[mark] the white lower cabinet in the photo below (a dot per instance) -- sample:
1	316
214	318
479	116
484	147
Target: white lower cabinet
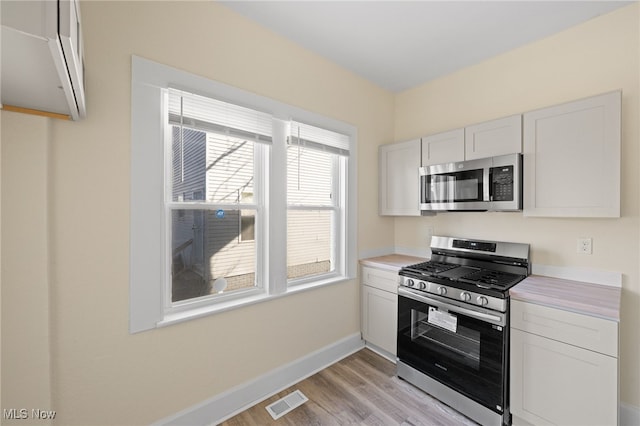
379	308
564	367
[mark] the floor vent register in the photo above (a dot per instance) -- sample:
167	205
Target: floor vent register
284	405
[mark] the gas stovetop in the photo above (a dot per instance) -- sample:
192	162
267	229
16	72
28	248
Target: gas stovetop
470	271
485	278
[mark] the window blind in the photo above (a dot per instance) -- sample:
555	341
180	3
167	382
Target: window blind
310	177
312	137
212	115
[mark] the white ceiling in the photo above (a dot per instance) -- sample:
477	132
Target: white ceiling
401	44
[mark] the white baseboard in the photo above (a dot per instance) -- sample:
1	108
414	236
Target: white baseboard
227	404
629	415
385	354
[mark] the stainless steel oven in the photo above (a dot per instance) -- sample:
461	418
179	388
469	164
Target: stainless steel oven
453	324
457	349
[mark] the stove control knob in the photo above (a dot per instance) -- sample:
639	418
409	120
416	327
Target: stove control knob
464	296
442	291
410	282
423	285
482	301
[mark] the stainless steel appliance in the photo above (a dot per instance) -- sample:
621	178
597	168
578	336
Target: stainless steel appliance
453	324
493	183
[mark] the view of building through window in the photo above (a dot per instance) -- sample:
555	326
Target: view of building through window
215	201
215	239
310	216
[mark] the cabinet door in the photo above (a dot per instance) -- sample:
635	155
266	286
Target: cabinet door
379	318
572	159
492	138
399	188
553	383
444	147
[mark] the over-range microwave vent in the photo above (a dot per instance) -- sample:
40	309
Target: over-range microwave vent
42	57
484	184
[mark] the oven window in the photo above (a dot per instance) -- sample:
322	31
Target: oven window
464	353
435	330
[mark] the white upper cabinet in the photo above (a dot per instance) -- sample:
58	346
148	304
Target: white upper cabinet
399	190
443	147
488	139
492	138
42	57
572	158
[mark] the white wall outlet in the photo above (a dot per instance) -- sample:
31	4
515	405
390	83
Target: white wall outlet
584	246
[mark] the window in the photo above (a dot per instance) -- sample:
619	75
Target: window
216	146
255	195
315	158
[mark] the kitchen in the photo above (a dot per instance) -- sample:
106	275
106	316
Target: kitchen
65	308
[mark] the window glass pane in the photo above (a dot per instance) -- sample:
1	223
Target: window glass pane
247	219
247	225
205	247
229	169
210	167
309	242
309	176
188	163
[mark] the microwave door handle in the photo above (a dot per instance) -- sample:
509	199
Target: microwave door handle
422	191
421	199
487	187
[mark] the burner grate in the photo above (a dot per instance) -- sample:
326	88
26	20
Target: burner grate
490	278
431	267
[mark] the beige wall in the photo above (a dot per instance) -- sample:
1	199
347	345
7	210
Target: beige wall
101	374
71	236
598	56
26	370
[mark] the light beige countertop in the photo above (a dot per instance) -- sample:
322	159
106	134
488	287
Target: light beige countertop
391	262
583	298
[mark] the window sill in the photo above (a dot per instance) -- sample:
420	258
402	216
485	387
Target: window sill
304	285
219	307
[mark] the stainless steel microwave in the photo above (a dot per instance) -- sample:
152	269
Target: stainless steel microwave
493	184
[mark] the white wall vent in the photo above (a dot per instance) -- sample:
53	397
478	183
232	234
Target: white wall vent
284	405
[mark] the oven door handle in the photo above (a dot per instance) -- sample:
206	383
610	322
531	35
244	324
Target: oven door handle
482	316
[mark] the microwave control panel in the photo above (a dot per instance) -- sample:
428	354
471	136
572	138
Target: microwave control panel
502	183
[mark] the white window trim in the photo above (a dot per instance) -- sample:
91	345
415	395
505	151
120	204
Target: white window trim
147	255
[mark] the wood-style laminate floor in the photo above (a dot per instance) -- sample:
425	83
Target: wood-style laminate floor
361	389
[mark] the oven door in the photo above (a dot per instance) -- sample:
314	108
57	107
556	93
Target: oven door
460	347
455	186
